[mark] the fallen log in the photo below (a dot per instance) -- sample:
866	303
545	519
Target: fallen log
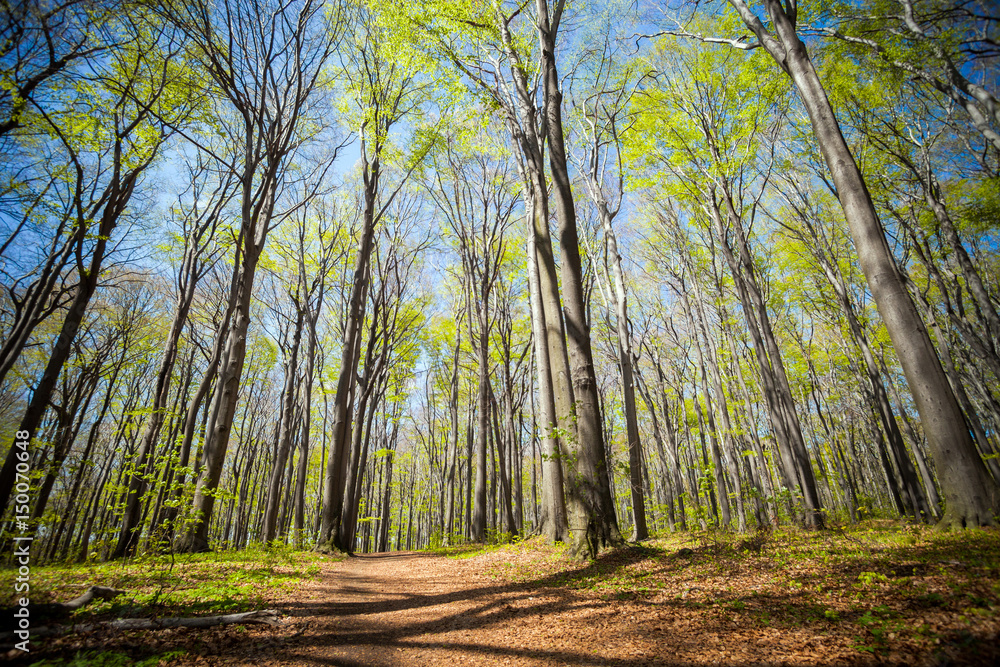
53	611
264	616
92	593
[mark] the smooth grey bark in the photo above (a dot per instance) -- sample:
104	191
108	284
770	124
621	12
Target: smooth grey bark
196	404
478	527
504	440
383	540
715	405
547	321
512	373
552	520
593	522
390	332
453	436
733	454
226	394
362	440
602	114
660	400
347	470
704	348
516	101
312	317
285	428
669	479
617	298
474	195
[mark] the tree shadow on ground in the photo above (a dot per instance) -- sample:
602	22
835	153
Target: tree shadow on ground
492	607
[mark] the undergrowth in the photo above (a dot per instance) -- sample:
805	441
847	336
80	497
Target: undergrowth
171	585
887	587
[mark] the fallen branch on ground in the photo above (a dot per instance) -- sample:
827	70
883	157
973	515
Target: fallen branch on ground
93	593
53	611
265	616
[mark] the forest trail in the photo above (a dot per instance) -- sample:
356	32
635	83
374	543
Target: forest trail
409	608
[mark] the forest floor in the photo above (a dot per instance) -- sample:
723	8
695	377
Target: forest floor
878	594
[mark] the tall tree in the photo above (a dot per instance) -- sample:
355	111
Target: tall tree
382	90
474	195
199	218
264	60
598	526
603	121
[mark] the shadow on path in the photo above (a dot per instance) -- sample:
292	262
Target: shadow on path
382	612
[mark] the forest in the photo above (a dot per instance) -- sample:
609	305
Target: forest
370	275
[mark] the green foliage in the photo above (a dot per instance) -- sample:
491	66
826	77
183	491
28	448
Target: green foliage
198	584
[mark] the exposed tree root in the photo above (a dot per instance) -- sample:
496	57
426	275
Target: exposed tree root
959	520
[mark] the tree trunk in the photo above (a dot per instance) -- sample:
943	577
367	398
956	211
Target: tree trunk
285	429
118	196
227	386
336	468
593	522
625	354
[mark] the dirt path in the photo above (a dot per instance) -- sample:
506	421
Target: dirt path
420	609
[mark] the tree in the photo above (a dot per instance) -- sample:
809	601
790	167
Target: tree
599	526
715	155
40	43
951	47
382	91
265	61
459	34
474	195
602	123
199	219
